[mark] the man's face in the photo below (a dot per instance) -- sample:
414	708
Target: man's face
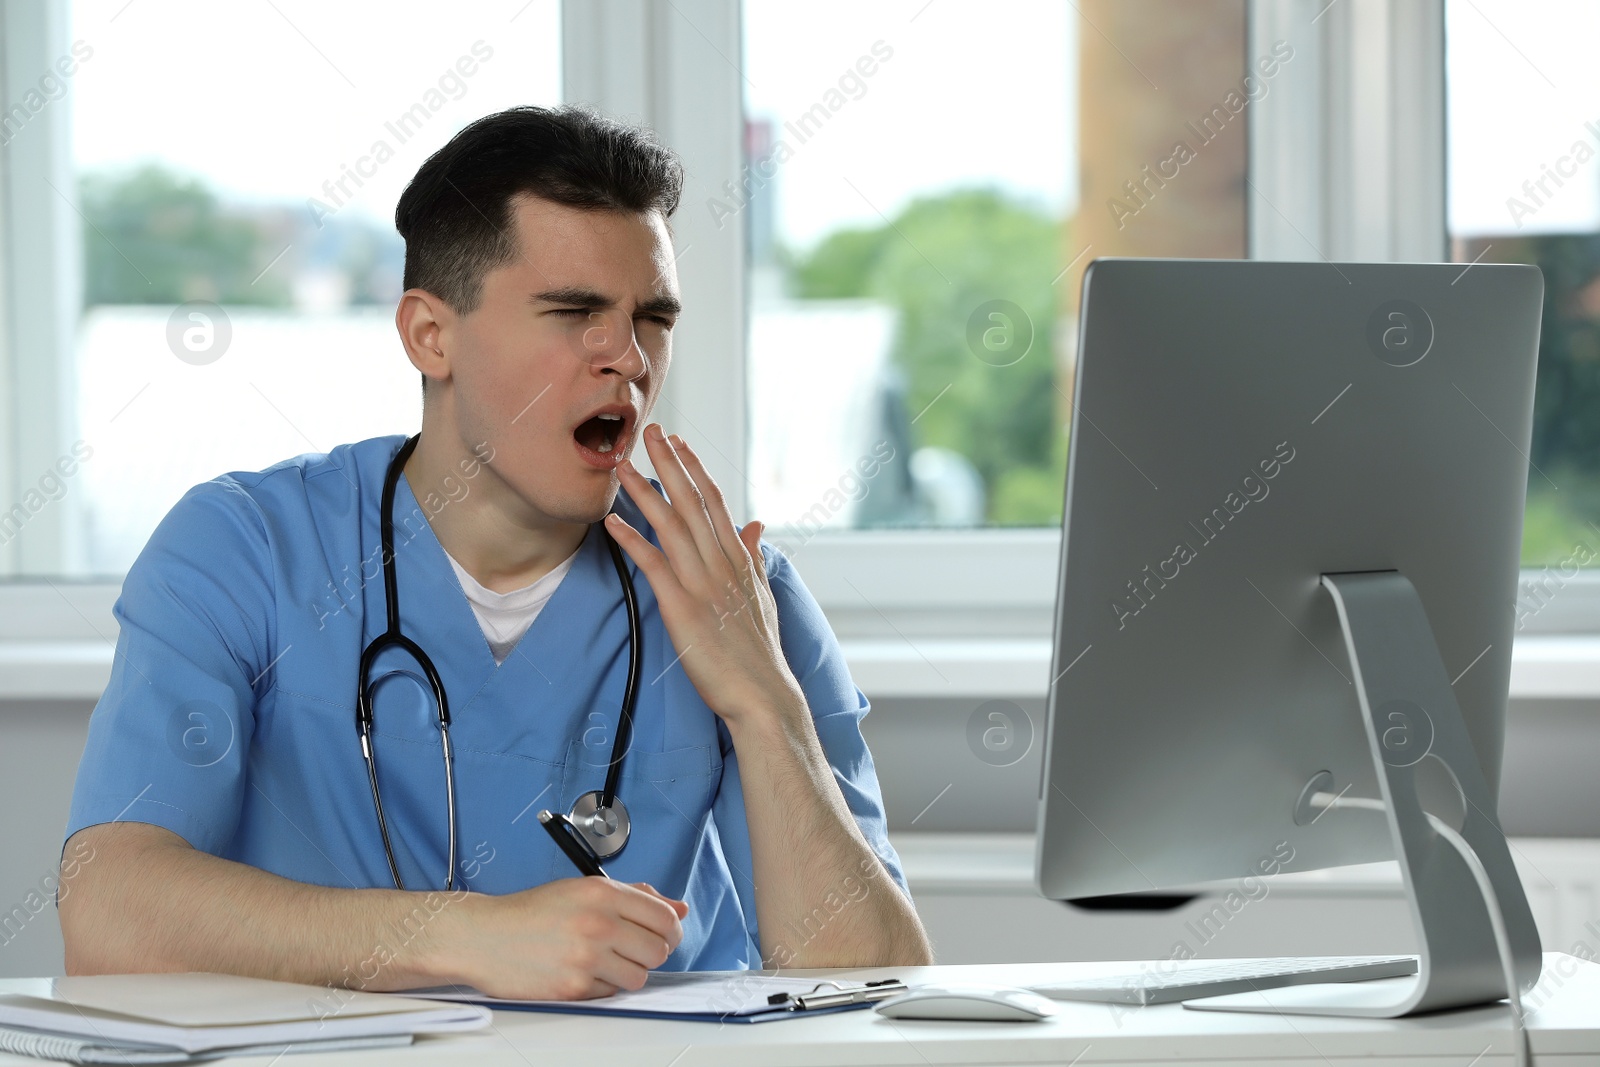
562	360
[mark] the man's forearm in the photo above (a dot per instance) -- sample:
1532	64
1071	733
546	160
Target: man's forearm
146	901
823	898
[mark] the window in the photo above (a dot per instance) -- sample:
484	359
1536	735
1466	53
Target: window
1524	187
885	387
236	170
923	186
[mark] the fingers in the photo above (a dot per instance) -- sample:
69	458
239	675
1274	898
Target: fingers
619	933
750	537
688	503
704	561
662	574
597	988
621	973
650	911
679	906
699	515
570	939
716	507
672	530
646	933
648	557
634	947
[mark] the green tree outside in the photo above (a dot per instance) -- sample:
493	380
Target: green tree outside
153	237
1564	480
936	262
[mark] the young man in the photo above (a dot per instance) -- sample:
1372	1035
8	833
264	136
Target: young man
234	821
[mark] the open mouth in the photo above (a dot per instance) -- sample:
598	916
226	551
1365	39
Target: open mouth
602	434
602	439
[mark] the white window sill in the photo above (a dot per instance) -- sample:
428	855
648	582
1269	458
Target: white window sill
54	670
1002	865
1542	668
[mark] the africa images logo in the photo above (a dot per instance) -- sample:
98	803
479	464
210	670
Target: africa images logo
1400	333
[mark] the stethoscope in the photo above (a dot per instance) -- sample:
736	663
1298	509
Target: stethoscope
599	815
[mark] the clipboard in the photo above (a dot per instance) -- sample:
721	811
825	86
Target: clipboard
701	996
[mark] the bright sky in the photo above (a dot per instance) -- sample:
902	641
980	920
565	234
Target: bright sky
269	101
1523	82
972	94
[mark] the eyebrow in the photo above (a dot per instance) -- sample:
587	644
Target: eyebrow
577	296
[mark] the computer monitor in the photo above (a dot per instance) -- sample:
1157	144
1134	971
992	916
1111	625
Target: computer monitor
1241	430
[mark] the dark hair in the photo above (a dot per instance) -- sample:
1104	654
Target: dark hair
455	215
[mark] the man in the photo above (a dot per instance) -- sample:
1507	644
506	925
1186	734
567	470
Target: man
235	822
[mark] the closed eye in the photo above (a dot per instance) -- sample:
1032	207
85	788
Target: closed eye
665	322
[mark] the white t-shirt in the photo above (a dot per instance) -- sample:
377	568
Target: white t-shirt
505	617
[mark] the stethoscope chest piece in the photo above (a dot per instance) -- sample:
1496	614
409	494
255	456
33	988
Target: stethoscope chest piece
606	829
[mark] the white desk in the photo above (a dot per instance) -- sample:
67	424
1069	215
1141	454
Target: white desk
1565	1030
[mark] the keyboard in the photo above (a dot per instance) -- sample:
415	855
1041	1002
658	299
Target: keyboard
1158	986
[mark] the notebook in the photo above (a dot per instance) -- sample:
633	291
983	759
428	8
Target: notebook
703	996
194	1013
128	1053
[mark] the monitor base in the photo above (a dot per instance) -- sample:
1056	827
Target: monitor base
1412	718
1380	998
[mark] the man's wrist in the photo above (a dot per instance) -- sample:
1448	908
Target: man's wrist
783	712
440	958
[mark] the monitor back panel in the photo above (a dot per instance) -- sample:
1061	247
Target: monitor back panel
1240	429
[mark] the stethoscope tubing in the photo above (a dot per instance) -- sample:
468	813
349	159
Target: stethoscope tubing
630	693
393	637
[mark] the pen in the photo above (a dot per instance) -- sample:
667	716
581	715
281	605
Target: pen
868	991
571	842
871	991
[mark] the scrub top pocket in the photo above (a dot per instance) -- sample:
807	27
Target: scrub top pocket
668	796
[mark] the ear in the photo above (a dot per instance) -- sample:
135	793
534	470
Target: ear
423	319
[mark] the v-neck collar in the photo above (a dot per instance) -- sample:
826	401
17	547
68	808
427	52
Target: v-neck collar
584	614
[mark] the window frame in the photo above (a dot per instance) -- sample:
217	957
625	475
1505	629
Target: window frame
40	287
1346	161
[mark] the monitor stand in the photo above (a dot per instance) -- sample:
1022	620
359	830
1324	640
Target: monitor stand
1412	717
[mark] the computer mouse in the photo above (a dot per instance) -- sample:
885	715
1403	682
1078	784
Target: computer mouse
969	1003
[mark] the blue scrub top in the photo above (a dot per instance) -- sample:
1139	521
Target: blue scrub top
230	715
